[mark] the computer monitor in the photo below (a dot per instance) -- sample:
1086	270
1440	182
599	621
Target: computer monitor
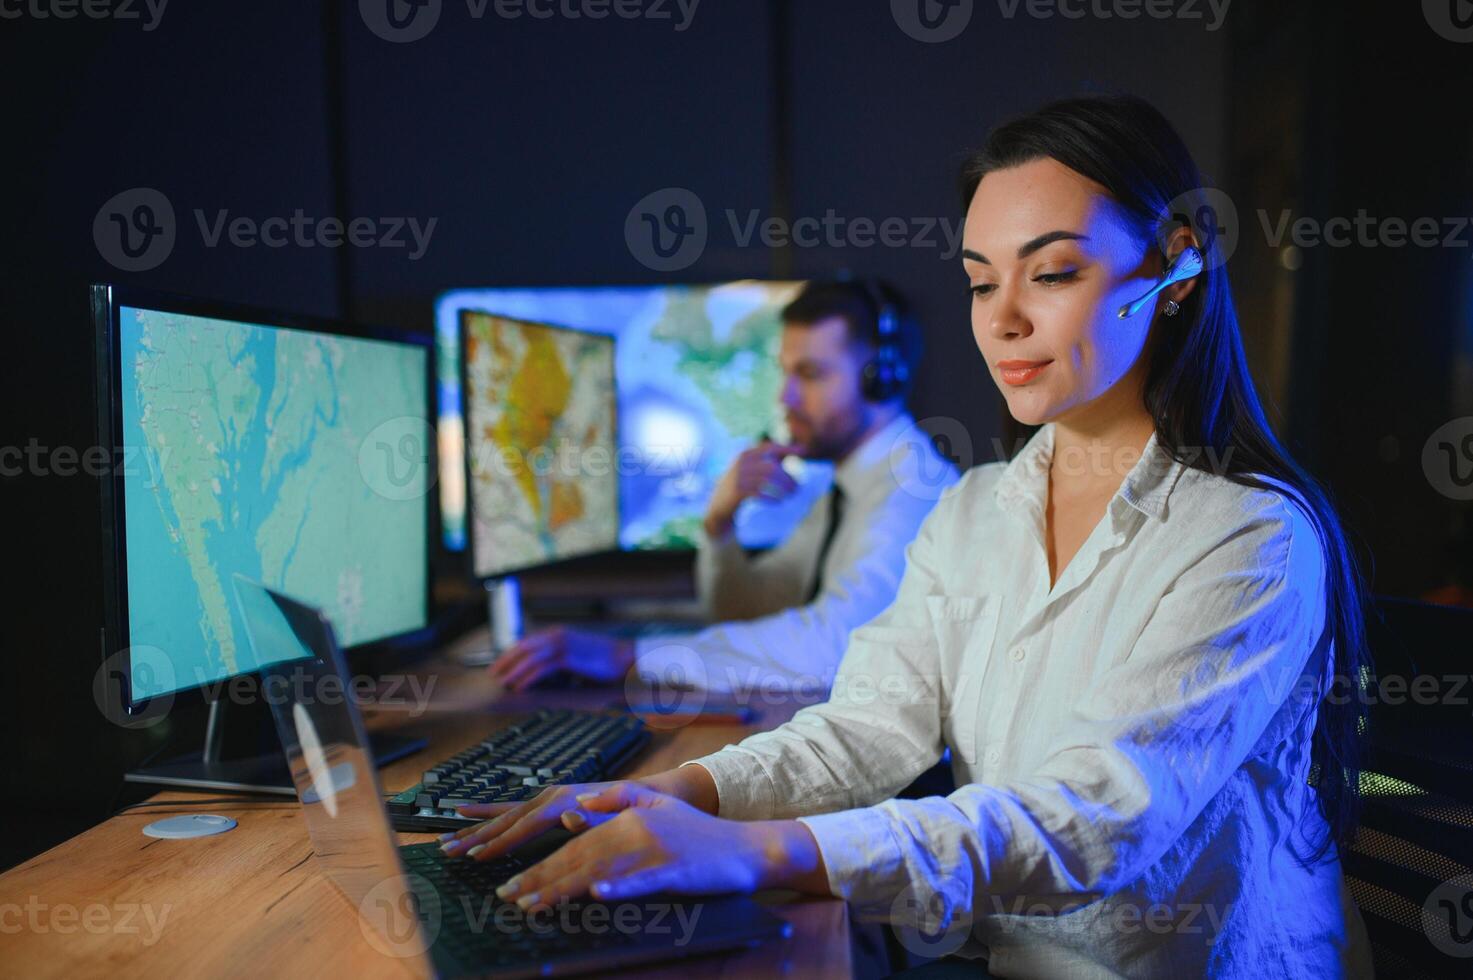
698	382
541	448
290	450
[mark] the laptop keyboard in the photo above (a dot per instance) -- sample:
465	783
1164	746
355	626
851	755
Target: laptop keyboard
516	763
477	928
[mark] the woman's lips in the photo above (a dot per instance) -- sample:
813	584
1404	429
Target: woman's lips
1021	372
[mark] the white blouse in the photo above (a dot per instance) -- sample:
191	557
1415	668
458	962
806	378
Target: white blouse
1132	745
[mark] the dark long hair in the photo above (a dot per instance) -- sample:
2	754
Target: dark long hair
1198	389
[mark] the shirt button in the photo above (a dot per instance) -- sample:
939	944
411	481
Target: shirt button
993	756
1018	654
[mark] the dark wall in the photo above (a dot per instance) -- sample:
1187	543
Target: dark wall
217	108
1364	346
1386	337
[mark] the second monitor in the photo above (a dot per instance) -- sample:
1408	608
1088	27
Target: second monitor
542	454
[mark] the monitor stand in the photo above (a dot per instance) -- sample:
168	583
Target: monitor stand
264	773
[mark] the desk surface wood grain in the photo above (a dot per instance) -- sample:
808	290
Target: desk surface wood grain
252	901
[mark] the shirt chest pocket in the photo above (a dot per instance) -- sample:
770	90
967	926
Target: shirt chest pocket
966	628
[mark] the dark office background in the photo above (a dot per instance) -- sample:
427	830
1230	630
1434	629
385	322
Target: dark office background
530	140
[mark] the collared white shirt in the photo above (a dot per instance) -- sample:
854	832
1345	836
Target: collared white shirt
890	483
1132	744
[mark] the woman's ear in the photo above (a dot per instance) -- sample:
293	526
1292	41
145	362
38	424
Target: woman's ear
1178	241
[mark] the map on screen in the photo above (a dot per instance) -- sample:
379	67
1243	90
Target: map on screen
256	438
541	425
698	382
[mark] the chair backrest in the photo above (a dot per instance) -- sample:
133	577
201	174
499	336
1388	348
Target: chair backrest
1411	868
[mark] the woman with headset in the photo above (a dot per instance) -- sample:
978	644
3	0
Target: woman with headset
1125	635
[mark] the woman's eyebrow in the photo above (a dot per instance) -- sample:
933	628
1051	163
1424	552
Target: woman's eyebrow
1030	246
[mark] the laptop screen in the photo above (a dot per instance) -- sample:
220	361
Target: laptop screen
307	688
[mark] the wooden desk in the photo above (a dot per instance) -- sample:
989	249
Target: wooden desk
252	902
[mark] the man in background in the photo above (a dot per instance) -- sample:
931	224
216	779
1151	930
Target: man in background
783	617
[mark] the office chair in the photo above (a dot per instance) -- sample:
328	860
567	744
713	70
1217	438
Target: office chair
1411	867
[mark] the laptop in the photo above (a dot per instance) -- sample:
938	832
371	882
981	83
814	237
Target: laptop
440	914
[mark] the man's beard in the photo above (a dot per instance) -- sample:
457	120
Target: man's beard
827	447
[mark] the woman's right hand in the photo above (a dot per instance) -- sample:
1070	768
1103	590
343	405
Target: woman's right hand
507	826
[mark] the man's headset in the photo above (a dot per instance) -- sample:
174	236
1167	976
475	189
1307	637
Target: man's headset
886	375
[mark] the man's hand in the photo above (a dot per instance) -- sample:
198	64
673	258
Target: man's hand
756	472
590	655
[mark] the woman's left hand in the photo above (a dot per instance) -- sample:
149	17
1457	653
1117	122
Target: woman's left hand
636	841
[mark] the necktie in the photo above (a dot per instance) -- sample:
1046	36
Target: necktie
836	514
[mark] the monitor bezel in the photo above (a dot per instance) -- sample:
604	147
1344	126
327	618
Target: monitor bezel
106	302
462	327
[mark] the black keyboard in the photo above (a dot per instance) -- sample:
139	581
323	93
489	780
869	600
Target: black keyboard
475	931
516	763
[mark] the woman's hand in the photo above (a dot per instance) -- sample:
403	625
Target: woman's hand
638	841
513	824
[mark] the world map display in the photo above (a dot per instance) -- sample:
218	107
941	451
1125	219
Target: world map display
698	382
540	415
253	442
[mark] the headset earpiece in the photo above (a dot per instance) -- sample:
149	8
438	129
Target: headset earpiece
1185	266
886	375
